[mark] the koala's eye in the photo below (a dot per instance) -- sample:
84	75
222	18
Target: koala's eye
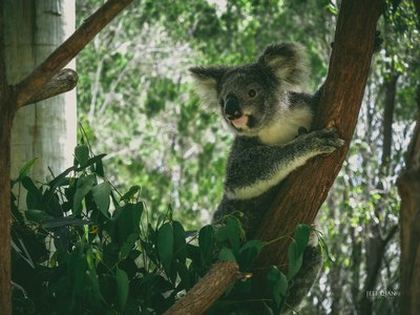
252	93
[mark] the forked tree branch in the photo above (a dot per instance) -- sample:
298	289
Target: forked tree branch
34	82
302	193
62	82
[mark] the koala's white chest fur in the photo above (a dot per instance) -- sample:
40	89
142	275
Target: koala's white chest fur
285	127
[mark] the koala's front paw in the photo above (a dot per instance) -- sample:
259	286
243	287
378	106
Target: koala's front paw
325	140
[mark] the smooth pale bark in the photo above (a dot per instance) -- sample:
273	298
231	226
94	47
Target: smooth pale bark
46	130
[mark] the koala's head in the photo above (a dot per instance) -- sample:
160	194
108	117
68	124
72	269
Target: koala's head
251	96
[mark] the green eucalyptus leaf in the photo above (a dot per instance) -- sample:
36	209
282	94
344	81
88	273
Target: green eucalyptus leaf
34	195
222	234
301	236
226	254
96	159
23	172
96	291
128	245
130	193
180	245
165	246
184	275
194	253
122	287
101	194
84	186
38	216
295	259
233	228
128	220
324	247
249	252
99	168
67	221
206	243
279	284
81	152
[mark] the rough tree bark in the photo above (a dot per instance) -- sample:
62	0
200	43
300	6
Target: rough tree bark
36	86
303	192
409	189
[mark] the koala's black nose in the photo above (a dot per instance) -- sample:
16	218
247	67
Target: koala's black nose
232	108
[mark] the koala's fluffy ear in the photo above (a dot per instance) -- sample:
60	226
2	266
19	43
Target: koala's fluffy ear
207	79
287	61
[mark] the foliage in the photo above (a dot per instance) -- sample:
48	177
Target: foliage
83	247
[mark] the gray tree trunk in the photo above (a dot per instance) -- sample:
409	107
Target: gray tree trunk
45	130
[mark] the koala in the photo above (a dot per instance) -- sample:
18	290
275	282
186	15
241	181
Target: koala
264	106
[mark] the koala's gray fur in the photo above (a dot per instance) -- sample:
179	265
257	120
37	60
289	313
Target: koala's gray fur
263	104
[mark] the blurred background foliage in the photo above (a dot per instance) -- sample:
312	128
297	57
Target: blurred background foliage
136	102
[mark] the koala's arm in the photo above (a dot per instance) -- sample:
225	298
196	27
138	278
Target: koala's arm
254	169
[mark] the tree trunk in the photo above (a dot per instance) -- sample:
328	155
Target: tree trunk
46	130
409	189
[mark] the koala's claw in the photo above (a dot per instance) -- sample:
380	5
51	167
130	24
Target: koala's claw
326	140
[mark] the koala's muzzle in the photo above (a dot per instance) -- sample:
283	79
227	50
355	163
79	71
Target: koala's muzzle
232	109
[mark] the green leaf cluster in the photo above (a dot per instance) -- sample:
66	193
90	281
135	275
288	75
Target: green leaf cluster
81	246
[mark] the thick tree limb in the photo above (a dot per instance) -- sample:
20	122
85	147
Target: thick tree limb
207	290
28	88
64	81
302	193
